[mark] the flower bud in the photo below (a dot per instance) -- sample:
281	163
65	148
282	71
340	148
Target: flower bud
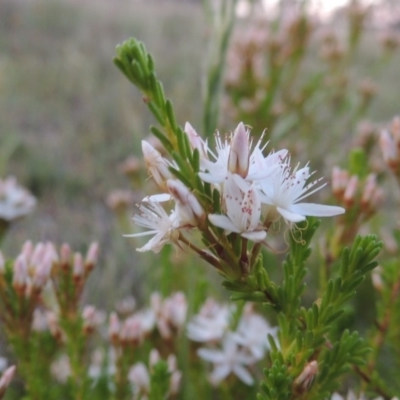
78	271
304	381
65	255
27	249
195	140
156	164
42	273
114	328
20	275
239	154
154	357
92	256
89	315
351	191
6	379
189	208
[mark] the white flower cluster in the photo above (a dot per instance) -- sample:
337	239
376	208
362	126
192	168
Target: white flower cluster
15	201
255	190
242	347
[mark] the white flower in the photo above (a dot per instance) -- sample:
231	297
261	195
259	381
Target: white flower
243	211
228	360
210	324
139	376
235	156
164	227
15	201
252	333
216	171
284	189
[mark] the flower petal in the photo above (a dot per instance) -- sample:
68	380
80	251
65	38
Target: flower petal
222	221
316	210
290	216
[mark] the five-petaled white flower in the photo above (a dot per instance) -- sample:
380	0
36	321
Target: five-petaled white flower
230	359
163	226
284	190
243	211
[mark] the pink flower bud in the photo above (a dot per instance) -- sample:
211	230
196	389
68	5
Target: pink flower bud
195	140
79	270
340	179
92	256
156	164
132	330
395	130
189	208
114	328
389	151
305	379
351	191
38	254
6	378
175	382
27	249
42	273
239	154
89	315
65	255
20	275
154	357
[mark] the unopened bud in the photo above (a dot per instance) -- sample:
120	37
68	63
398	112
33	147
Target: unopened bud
54	327
120	200
131	331
20	275
395	130
239	154
389	151
195	140
92	256
175	382
6	379
79	270
65	256
190	210
114	328
340	179
351	191
37	254
131	166
27	249
154	357
89	315
304	381
156	164
376	278
42	273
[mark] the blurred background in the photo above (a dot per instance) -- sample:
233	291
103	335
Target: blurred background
69	118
